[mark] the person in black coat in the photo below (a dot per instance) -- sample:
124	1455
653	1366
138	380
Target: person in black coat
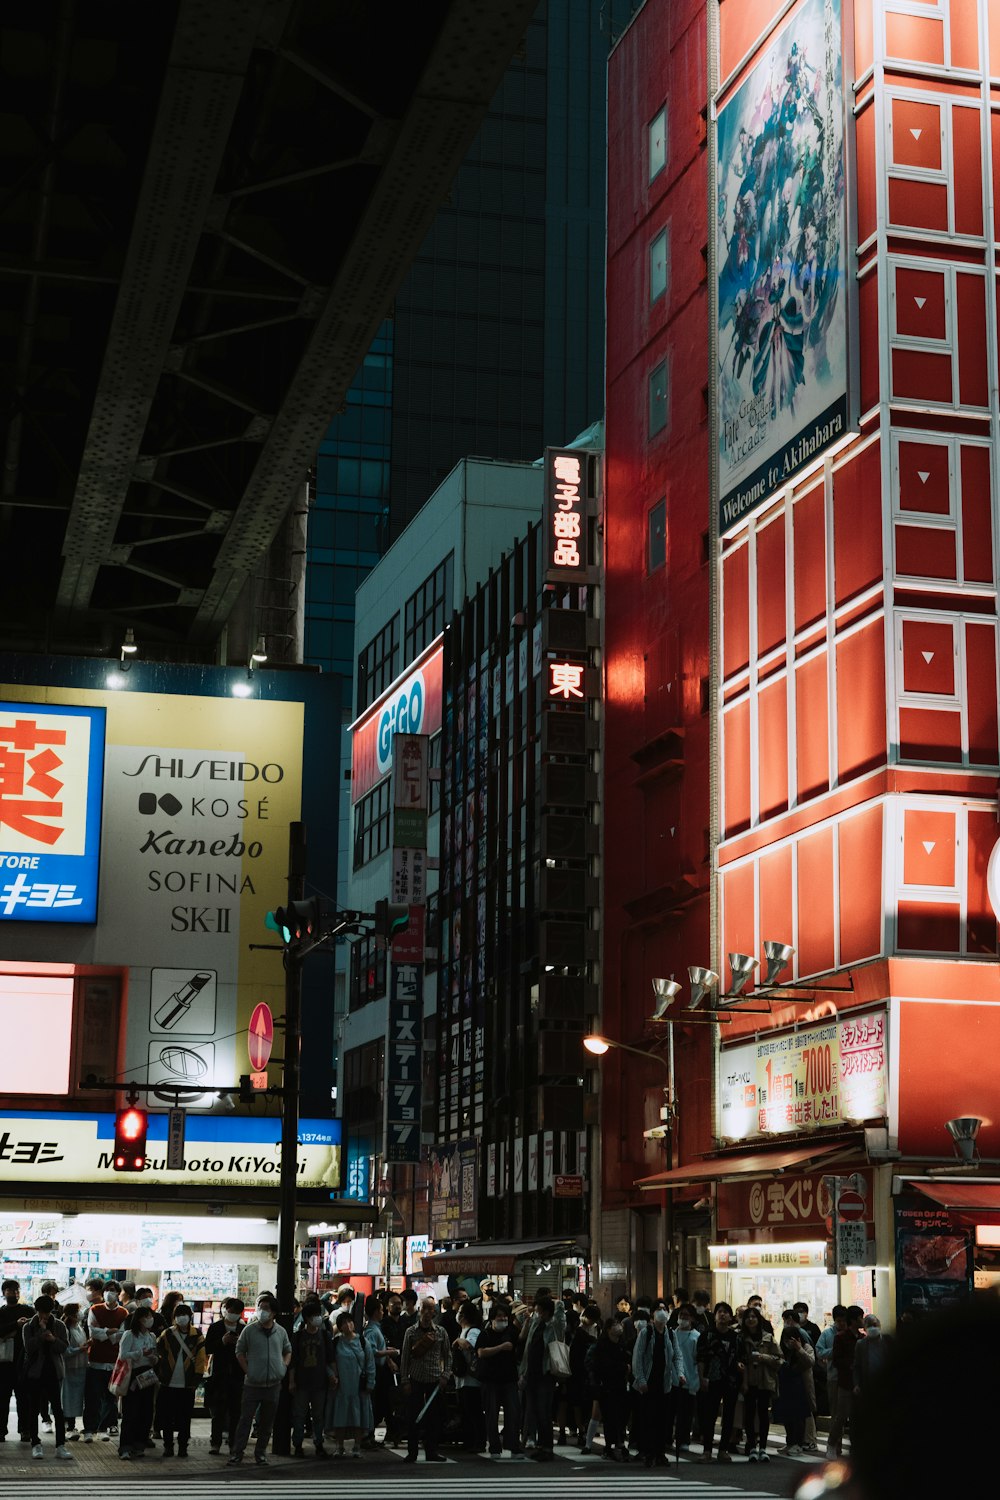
224	1388
610	1365
14	1314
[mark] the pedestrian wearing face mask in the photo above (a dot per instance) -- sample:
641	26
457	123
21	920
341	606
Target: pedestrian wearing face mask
45	1339
138	1349
496	1369
578	1399
721	1375
686	1336
14	1315
75	1367
144	1303
870	1354
611	1367
105	1320
656	1373
264	1352
224	1389
181	1364
310	1376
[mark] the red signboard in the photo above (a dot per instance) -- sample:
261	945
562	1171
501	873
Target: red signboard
412	705
408	946
260	1037
780	1207
567	1187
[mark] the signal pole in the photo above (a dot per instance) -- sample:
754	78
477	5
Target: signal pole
286	1271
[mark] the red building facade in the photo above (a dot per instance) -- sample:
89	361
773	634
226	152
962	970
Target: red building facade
847	655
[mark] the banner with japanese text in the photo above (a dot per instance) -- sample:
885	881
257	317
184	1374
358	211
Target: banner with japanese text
826	1074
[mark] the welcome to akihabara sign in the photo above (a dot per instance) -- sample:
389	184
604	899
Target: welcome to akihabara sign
782	288
51	773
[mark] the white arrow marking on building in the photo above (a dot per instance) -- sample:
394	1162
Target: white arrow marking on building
916	132
929	846
928	656
923	475
920	302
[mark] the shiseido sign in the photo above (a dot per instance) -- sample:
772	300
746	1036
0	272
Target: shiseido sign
565	516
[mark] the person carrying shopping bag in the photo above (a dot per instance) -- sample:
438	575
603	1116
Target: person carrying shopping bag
137	1351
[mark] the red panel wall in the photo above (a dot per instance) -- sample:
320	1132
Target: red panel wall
941	1073
859	845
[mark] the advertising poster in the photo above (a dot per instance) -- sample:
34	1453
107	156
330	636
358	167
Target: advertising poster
51	766
782	258
821	1075
454	1174
934	1257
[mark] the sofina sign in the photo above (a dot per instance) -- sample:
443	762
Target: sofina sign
51	774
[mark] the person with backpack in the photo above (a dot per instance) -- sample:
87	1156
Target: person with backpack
466	1371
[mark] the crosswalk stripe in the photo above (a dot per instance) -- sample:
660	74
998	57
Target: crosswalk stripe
518	1483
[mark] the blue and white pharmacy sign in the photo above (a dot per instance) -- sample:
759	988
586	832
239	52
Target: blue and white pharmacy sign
51	778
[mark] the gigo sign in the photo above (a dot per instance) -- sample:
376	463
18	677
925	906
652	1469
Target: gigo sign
403	714
412	705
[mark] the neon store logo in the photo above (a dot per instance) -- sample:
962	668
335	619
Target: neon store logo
403	714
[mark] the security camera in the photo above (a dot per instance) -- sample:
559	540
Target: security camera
658	1133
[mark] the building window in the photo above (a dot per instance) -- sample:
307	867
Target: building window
434	763
658	267
371	824
656	549
658	399
657	143
377	664
428	609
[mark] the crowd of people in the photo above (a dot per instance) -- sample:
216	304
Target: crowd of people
508	1374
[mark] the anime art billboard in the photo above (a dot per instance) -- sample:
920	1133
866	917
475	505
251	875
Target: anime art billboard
782	296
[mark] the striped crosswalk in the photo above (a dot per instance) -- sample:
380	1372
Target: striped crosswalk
517	1483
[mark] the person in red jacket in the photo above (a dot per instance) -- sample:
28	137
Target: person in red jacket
105	1320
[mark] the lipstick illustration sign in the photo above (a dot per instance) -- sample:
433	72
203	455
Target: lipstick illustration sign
260	1036
177	1005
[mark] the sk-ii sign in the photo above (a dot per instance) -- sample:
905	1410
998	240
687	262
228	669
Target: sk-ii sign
412	705
51	776
403	1060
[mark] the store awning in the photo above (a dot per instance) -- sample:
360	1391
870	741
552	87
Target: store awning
496	1259
975	1200
747	1164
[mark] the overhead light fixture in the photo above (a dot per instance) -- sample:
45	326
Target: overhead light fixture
703	981
129	648
741	967
258	656
664	990
963	1132
779	956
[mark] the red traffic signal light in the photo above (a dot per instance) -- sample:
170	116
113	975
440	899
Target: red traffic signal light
131	1126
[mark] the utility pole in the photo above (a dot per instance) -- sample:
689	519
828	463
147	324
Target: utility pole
287	1269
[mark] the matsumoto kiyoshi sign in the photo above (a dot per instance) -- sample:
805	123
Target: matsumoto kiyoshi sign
51	767
782	288
239	1152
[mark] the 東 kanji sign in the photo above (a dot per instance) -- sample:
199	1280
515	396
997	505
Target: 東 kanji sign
51	772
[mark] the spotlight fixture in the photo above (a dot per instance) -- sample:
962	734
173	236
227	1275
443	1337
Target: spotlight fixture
963	1132
741	967
597	1045
129	648
258	655
779	956
664	990
702	982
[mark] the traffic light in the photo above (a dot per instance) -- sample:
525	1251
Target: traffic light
391	918
296	921
131	1125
